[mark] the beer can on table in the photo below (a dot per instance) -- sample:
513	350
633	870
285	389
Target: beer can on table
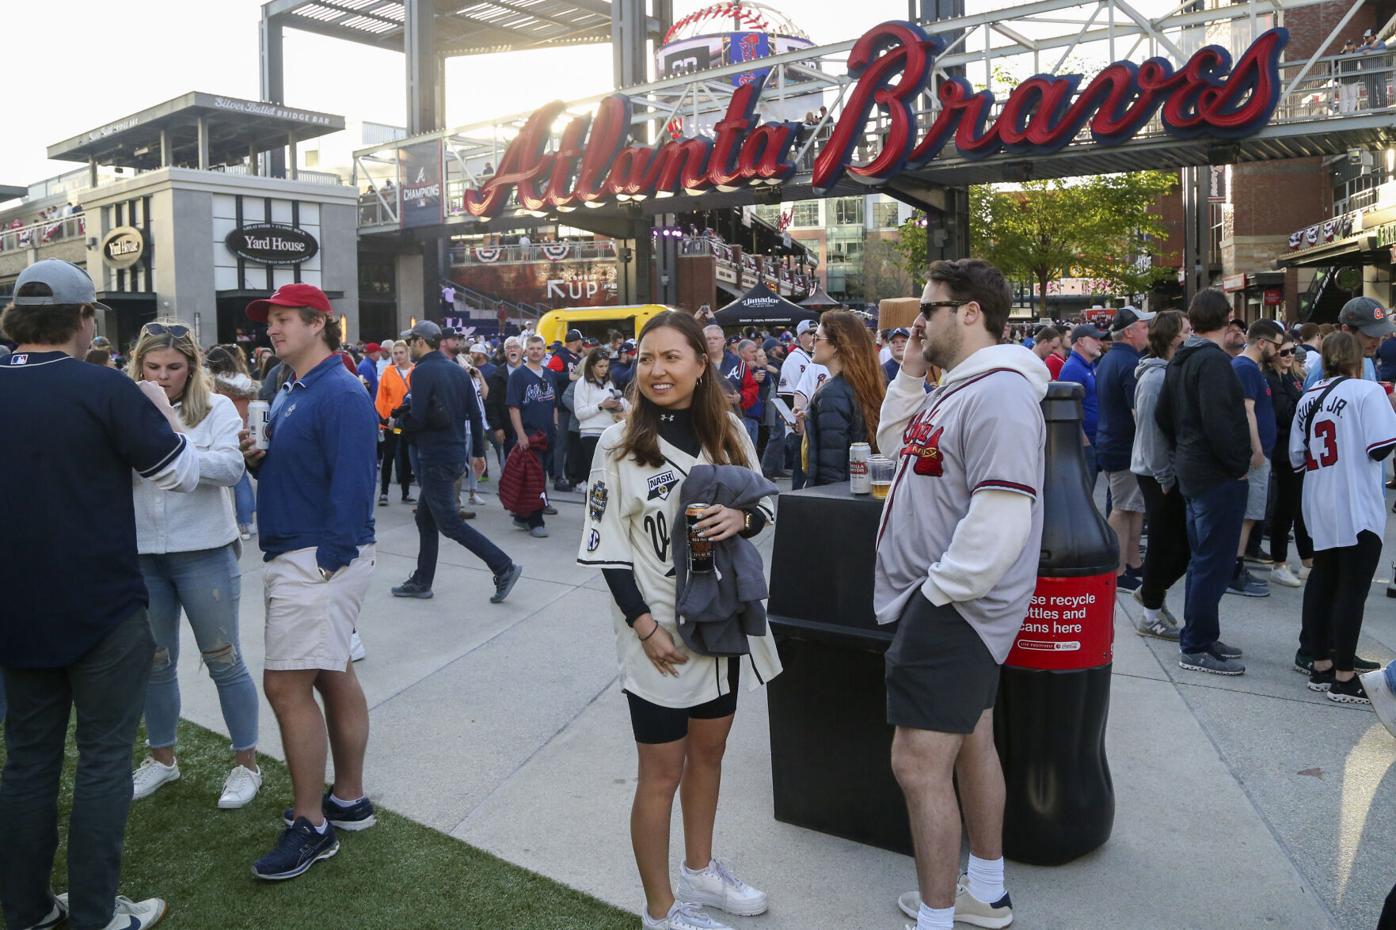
700	550
258	414
859	480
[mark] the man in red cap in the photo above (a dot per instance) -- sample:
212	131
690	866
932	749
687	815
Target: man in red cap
315	512
368	367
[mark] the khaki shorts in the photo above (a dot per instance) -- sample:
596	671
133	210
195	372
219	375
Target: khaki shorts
309	619
1124	491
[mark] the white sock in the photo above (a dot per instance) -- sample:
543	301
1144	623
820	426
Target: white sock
1152	614
986	878
323	826
695	871
334	799
935	918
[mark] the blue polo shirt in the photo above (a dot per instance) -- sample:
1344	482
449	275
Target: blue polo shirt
1077	369
1114	381
315	485
69	572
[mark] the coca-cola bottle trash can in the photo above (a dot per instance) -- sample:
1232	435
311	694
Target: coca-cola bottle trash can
1054	692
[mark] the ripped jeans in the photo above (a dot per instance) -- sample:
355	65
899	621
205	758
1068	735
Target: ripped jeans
207	584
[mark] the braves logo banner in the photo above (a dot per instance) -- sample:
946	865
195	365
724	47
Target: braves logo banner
419	183
591	163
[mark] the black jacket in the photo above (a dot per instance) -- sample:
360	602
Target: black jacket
834	421
1285	393
443	401
1202	413
496	410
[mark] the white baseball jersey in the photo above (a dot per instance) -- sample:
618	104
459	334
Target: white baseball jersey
812	380
1343	493
632	516
792	369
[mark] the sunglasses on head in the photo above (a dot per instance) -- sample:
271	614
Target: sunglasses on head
177	330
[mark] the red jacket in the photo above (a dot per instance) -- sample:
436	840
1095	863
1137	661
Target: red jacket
522	484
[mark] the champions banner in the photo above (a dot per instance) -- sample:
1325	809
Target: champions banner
419	182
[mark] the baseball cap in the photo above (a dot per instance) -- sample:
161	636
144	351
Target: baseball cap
805	326
426	329
628	345
1128	316
573	335
480	348
1367	317
901	331
1084	330
372	347
67	283
290	295
450	332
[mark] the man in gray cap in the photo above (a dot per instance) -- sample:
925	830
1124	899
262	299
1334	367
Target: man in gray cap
1370	322
443	402
74	434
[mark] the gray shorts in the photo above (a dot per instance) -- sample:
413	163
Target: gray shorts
1124	491
1258	491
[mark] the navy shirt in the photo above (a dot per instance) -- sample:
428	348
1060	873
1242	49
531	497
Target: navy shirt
1386	355
1256	388
621	374
69	571
443	402
534	396
890	369
315	485
368	370
1077	369
1114	383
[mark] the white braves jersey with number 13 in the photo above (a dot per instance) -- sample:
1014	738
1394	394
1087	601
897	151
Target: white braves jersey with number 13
1342	482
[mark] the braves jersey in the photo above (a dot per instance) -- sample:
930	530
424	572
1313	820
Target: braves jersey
791	370
812	380
982	429
631	519
1332	446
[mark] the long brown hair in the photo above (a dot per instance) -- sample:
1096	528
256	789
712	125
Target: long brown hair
718	432
851	339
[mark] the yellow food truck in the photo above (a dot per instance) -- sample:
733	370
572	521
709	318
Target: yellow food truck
597	322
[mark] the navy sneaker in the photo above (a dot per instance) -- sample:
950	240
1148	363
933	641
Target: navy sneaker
504	582
352	817
299	847
1127	582
412	588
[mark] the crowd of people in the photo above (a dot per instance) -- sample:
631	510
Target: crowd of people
1213	437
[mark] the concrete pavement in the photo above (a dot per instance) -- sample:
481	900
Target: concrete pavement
1243	802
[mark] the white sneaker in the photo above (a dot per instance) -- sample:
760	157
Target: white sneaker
682	916
1283	574
150	776
476	500
56	915
130	915
717	887
356	647
1383	701
1304	570
239	788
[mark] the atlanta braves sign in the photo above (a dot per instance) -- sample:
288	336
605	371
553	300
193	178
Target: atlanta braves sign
591	164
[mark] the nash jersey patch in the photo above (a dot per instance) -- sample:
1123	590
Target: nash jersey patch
921	441
662	484
593	541
596	502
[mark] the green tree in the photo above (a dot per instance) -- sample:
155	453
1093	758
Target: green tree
1102	227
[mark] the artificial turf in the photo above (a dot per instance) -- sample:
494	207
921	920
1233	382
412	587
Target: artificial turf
398	874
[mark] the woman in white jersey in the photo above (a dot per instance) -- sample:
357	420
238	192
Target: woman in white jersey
681	703
1343	428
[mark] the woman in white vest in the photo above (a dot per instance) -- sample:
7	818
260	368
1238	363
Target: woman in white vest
681	703
597	403
189	550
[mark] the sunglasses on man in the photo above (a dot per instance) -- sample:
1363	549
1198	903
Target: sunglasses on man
930	307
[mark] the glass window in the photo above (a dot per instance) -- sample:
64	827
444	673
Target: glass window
806	213
848	211
885	214
768	212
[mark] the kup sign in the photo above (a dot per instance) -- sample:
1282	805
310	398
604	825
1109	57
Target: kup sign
591	164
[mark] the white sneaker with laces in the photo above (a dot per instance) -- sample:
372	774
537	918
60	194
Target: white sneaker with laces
717	887
151	776
476	500
130	915
682	916
356	647
1283	574
1382	698
1303	572
240	787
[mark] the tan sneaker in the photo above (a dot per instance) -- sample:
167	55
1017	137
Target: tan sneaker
970	910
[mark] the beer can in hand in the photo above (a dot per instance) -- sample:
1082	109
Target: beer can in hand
258	415
859	479
700	550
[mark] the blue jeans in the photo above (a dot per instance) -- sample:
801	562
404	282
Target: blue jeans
1214	531
773	458
753	429
244	500
106	685
207	584
438	515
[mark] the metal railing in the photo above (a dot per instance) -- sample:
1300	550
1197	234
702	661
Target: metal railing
567	251
43	232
